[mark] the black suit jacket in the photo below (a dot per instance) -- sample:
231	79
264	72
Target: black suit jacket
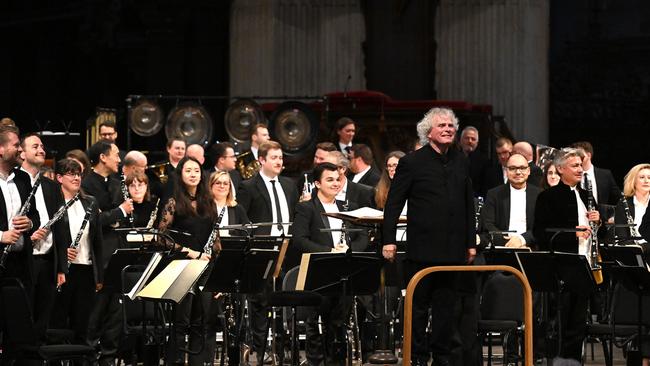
495	214
253	196
360	194
24	256
371	178
308	222
441	224
557	207
608	192
479	167
94	236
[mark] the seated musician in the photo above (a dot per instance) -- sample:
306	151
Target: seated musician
636	189
510	207
221	188
565	206
309	238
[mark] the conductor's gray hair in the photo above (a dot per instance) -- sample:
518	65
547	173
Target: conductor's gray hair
426	124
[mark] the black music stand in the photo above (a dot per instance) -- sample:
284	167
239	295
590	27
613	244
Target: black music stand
342	274
120	259
635	278
504	256
556	272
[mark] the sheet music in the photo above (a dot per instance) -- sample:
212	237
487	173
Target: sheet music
366	212
145	275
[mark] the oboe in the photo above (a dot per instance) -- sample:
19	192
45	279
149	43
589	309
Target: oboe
594	252
24	209
207	248
634	233
75	243
153	216
126	196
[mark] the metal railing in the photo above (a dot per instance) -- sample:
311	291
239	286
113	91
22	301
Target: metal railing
528	305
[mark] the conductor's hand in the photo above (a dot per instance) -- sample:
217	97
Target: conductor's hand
127	206
583	234
72	254
471	253
21	223
593	216
39	234
10	236
388	251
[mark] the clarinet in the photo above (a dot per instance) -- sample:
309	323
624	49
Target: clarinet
75	243
594	252
153	216
60	212
126	196
628	214
24	209
479	205
207	248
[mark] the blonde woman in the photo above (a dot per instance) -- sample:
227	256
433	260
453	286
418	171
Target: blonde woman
636	189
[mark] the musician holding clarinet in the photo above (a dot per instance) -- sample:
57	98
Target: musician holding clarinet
81	257
566	205
18	216
633	204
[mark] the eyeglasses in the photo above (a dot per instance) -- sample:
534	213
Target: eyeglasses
221	183
391	166
514	169
73	175
137	185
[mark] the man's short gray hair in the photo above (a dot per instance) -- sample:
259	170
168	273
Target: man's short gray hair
567	153
467	129
340	158
426	124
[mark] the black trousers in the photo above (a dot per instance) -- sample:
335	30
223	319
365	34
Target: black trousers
334	312
44	291
436	292
75	301
574	323
192	319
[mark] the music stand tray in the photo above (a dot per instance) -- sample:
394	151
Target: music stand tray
545	269
626	255
339	273
241	270
175	281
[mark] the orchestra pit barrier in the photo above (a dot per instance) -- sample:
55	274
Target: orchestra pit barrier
528	305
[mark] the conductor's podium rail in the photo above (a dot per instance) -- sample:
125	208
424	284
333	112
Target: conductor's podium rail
528	305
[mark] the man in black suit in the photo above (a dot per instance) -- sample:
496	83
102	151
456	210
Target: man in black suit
362	168
15	231
359	194
223	155
440	229
248	161
526	149
496	175
565	206
479	164
605	189
511	207
309	238
105	321
48	199
267	197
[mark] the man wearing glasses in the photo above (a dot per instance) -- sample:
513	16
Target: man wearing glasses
511	207
108	132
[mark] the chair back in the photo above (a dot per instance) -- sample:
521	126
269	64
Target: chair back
625	309
135	311
18	324
502	298
289	284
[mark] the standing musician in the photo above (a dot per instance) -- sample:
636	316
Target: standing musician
309	238
267	197
345	131
565	206
636	189
223	155
190	209
48	199
82	267
440	228
15	230
105	323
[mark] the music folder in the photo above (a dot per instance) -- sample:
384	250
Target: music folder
175	281
334	273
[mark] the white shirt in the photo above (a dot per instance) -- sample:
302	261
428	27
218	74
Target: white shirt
504	172
517	221
358	176
343	192
254	150
41	246
334	223
342	147
639	210
592	178
583	244
12	206
284	208
76	214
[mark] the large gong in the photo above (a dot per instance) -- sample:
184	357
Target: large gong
294	126
191	122
146	118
